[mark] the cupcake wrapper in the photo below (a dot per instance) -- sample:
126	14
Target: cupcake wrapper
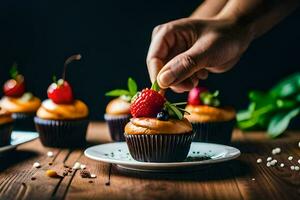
24	121
116	125
62	133
159	148
214	132
5	133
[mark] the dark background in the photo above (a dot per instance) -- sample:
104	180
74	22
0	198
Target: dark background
113	37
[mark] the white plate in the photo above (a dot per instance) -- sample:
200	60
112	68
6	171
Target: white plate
17	138
117	153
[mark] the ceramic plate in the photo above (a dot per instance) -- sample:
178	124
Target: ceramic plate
200	154
17	138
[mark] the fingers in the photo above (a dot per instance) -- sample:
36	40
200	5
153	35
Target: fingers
225	67
202	74
154	66
186	85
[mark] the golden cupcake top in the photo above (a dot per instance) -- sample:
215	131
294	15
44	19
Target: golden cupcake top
154	126
204	113
5	116
118	106
53	111
27	103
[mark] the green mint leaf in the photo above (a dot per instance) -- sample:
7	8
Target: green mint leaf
132	86
117	93
287	87
173	110
179	103
280	122
155	86
14	71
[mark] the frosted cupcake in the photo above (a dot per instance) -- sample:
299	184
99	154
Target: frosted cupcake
6	126
23	105
211	121
118	110
158	132
62	121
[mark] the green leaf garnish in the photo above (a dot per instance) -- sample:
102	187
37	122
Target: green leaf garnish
117	93
14	71
174	111
132	86
179	103
155	86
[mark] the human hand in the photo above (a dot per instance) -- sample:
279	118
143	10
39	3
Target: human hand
183	51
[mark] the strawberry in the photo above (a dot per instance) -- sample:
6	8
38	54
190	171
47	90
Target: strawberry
147	104
194	95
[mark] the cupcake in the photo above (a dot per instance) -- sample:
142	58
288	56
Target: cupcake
158	132
61	121
6	126
23	105
211	122
117	113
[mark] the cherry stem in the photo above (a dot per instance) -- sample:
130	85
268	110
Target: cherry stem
68	61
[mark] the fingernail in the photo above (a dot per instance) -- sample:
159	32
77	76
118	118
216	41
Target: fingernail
165	79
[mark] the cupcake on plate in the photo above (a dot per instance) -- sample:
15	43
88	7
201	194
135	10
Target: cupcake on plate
23	105
117	112
211	121
61	121
158	132
6	126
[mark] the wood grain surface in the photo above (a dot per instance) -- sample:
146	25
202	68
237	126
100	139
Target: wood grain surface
242	178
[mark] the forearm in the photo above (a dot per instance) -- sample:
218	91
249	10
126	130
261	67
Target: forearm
258	15
209	9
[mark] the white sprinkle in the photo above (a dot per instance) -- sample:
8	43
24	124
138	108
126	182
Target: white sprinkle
50	154
253	179
281	165
268	164
278	150
82	166
269	158
259	160
299	144
93	176
273	162
292	167
297	168
76	165
299	161
290	157
36	165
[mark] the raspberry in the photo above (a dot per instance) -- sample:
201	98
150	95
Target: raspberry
194	95
147	104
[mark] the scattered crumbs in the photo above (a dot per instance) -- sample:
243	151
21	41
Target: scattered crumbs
51	173
299	161
65	173
253	179
76	165
106	154
292	167
269	158
276	151
259	160
50	163
198	158
120	150
82	166
273	162
297	168
290	158
36	165
299	144
66	166
194	152
85	174
198	152
268	164
93	176
33	178
281	165
50	154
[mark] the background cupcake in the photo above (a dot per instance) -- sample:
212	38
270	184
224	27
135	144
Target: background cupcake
61	120
211	121
23	105
118	110
6	126
158	132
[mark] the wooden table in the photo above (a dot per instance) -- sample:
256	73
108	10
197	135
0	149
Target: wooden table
242	178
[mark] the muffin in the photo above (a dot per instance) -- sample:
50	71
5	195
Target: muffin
158	132
6	126
23	105
211	122
61	121
117	112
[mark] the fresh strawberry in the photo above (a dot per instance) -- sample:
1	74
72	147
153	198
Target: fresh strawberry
14	87
147	104
60	92
194	95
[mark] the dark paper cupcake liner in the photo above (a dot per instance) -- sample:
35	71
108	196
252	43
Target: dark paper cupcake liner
24	121
116	125
62	133
5	133
214	132
159	148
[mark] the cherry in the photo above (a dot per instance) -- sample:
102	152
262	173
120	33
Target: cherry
14	87
60	91
194	95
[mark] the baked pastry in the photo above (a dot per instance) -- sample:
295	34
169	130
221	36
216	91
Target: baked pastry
23	105
62	121
158	132
6	126
117	112
211	121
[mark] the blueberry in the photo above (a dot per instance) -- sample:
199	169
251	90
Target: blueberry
163	115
